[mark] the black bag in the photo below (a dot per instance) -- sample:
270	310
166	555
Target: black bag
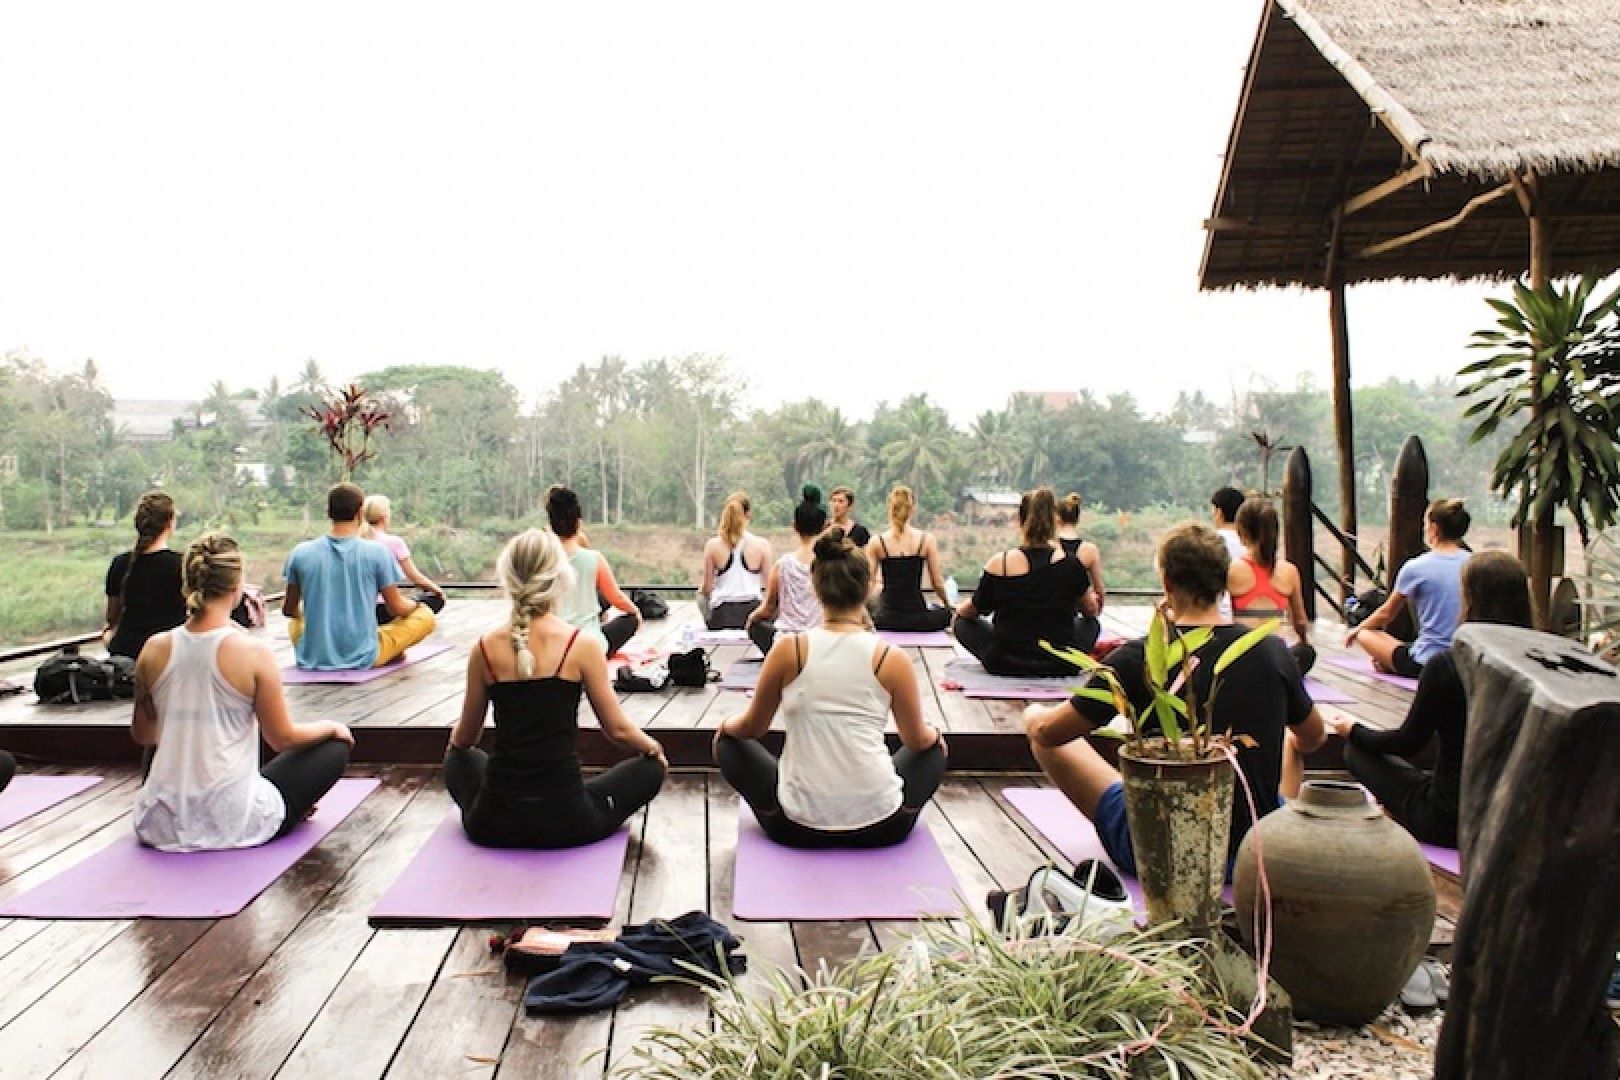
1363	605
643	680
650	604
690	669
69	679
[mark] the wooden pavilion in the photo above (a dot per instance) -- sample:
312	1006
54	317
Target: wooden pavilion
1393	139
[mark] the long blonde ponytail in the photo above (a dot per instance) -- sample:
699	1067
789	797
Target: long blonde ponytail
535	575
734	518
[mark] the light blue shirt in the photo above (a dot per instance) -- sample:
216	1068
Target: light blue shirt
1432	584
338	579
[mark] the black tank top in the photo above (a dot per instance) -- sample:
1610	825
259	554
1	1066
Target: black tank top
902	579
535	757
1071	545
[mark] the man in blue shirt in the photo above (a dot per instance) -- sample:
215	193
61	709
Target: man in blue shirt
332	585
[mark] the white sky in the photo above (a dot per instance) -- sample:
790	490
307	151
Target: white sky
853	200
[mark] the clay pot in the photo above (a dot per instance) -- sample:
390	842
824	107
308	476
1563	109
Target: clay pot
1352	900
1180	814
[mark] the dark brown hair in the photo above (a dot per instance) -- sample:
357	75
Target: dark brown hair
153	514
1257	525
343	502
1450	519
1227	500
1068	509
1193	560
1495	589
1037	517
563	511
840	573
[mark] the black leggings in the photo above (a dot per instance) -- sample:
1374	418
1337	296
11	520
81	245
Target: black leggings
8	769
618	631
751	769
731	615
434	602
302	776
1407	794
1087	629
978	637
607	802
921	621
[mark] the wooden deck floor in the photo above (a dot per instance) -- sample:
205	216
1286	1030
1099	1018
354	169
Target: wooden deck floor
299	985
405	717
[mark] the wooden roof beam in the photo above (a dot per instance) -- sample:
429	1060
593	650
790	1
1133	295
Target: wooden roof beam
1394	244
1420	171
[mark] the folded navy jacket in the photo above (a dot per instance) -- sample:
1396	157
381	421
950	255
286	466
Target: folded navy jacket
596	975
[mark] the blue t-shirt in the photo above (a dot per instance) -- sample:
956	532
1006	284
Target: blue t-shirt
339	579
1432	584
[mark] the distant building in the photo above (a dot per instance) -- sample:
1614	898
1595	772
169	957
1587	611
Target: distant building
981	503
159	420
257	474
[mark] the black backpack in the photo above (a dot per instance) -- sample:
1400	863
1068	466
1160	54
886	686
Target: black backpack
690	668
650	604
69	679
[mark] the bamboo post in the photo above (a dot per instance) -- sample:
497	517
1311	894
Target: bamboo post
1299	525
1343	412
1408	502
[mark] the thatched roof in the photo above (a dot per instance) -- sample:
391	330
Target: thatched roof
1343	95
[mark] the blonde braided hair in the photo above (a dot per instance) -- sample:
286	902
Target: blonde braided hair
535	574
212	569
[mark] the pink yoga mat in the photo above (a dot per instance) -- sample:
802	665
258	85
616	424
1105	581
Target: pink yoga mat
1362	664
452	880
125	880
1323	694
975	682
917	639
1055	817
26	796
910	880
297	676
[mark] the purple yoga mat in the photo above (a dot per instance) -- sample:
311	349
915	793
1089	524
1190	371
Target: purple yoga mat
700	636
297	676
1055	817
741	675
26	796
452	880
918	639
910	880
125	880
976	682
1323	694
1447	859
1362	664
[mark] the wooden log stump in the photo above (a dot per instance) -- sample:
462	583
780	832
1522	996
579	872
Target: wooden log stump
1540	830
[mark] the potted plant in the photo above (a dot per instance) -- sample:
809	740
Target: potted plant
1177	769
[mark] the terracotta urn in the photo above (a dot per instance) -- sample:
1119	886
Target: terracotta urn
1352	901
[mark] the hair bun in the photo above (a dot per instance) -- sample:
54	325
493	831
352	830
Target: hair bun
832	545
811	494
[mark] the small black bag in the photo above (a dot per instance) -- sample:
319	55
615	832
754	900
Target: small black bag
1363	605
69	679
690	668
650	604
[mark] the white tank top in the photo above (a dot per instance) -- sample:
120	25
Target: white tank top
736	582
835	771
796	605
204	791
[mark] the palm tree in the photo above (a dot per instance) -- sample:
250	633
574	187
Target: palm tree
817	438
994	452
923	454
1034	433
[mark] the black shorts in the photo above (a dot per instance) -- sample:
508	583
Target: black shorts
1404	664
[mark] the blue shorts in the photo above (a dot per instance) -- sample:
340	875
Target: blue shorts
1114	831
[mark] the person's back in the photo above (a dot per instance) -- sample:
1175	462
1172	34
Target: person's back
1033	599
580	607
797	606
339	578
204	790
149	597
1433	584
836	770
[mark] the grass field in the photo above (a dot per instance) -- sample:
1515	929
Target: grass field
51	586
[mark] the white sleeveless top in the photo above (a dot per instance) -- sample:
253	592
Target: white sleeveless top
204	791
736	582
835	772
579	608
796	605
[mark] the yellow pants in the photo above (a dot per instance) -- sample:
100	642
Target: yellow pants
393	638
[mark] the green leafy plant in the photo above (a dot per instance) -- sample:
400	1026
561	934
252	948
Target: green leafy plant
969	1003
1184	728
1556	356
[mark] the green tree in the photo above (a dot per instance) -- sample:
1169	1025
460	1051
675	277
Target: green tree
923	452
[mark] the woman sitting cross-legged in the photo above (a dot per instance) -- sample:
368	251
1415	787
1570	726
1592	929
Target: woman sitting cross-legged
733	568
899	556
204	693
1034	592
1495	589
790	603
1264	587
1087	628
377	519
593	576
143	584
836	785
527	792
1431	581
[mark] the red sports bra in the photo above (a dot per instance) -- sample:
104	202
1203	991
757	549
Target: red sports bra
1263	590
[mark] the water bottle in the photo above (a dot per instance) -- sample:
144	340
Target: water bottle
953	592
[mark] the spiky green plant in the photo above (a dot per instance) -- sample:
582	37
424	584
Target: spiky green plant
970	1004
